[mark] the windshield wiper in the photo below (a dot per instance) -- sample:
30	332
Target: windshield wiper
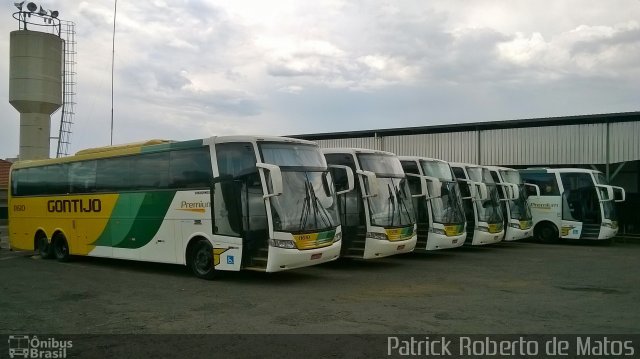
392	204
401	200
311	201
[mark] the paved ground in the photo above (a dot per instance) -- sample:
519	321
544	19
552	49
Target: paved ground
506	288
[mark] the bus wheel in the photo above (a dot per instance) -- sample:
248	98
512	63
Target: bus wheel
44	247
547	233
60	248
201	260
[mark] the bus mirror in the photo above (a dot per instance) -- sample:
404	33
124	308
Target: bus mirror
606	192
532	188
435	188
623	195
276	179
469	185
423	185
482	193
350	179
515	191
372	183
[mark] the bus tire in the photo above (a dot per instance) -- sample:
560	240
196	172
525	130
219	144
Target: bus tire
44	248
200	259
547	233
61	248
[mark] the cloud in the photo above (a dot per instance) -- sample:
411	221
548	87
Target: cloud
188	69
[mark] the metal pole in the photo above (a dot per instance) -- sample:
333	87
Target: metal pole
113	54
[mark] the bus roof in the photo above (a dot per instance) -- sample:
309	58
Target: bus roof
151	146
355	151
420	158
559	170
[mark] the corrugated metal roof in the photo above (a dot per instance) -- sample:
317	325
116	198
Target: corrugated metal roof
480	126
593	139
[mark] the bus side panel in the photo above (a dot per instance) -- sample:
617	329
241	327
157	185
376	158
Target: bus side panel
546	208
60	213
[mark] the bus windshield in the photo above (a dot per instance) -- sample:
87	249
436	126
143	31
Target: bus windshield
518	208
489	209
447	209
608	207
392	207
511	176
308	202
437	169
382	165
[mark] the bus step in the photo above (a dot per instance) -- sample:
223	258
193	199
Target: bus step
590	231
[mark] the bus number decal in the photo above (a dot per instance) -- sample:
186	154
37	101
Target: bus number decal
19	207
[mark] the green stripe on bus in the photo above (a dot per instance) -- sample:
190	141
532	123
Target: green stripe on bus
135	220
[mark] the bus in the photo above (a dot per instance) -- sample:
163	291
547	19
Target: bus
439	214
572	203
485	224
215	204
518	222
377	217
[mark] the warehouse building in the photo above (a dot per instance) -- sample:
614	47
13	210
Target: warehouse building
609	143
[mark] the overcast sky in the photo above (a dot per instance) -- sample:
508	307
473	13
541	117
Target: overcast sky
193	69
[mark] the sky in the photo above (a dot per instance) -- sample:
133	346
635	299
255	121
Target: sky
194	69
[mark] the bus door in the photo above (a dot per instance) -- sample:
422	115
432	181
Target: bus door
238	206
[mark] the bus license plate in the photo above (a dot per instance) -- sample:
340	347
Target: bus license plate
316	256
400	247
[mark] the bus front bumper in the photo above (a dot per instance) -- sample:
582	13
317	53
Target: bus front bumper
439	241
283	258
481	238
514	234
378	248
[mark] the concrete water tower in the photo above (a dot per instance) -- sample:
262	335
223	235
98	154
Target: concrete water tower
35	77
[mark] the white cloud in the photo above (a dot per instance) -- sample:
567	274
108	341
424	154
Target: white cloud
192	69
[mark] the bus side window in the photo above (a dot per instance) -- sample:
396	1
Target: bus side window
82	177
546	181
190	168
150	171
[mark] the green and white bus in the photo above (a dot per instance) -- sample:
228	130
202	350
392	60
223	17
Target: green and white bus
515	207
220	203
439	213
377	217
572	203
485	224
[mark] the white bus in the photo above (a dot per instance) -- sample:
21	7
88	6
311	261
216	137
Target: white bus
220	203
377	217
572	203
485	224
515	207
439	213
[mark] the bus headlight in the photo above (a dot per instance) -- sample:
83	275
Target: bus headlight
483	229
376	235
282	243
608	225
338	237
437	231
514	225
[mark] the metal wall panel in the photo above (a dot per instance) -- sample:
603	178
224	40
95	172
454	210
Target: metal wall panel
552	145
529	146
624	143
456	146
362	142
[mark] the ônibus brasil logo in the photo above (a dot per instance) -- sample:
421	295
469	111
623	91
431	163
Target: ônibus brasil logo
25	346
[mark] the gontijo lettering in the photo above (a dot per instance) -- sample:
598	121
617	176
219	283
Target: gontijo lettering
74	205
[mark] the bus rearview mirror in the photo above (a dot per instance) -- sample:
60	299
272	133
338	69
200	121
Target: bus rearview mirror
372	183
276	179
534	187
350	179
435	190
